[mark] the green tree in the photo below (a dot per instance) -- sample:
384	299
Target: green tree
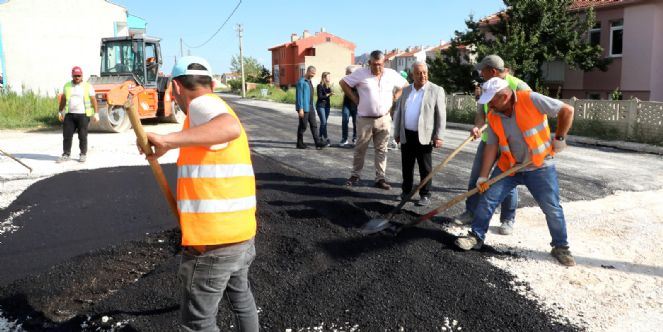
530	33
253	70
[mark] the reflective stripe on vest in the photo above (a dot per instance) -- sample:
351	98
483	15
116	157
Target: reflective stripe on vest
513	84
89	111
216	192
534	126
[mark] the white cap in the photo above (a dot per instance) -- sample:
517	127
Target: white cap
490	88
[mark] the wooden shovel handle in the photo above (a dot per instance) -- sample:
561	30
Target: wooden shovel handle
435	170
16	160
465	195
147	150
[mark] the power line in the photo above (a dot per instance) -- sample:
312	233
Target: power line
219	29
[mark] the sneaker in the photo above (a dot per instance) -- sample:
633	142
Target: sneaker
352	181
468	242
82	158
382	184
563	256
354	141
63	158
321	146
301	146
343	143
506	228
464	218
424	201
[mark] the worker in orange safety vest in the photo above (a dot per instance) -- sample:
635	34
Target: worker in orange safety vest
518	127
216	201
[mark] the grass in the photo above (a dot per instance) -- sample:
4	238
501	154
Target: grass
27	110
288	96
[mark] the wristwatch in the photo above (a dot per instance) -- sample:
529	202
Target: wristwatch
559	138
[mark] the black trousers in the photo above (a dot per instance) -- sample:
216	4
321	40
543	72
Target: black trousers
308	119
72	123
413	151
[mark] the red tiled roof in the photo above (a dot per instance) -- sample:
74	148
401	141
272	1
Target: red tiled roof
576	5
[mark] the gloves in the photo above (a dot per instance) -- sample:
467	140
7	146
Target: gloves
559	146
482	186
61	116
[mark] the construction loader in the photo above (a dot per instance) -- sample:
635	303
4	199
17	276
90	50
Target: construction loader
130	65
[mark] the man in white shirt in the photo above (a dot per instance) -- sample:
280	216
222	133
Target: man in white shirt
77	105
419	120
377	89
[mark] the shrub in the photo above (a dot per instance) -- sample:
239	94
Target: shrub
27	110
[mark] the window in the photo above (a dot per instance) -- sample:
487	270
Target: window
616	37
594	95
595	34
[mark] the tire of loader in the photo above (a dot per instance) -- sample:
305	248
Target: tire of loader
177	116
114	121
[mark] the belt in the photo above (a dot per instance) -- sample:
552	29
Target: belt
201	249
373	117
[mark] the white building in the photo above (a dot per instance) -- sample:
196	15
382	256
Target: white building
405	60
41	40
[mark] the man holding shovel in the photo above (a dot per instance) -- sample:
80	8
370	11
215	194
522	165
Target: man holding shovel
215	199
518	127
489	67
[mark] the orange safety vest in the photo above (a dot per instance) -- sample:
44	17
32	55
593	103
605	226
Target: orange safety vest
216	192
534	127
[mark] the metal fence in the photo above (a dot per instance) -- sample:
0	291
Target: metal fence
630	120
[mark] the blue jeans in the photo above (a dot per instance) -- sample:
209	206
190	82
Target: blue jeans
510	203
347	112
205	278
323	114
542	184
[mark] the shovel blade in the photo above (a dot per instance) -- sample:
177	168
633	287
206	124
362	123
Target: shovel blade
375	226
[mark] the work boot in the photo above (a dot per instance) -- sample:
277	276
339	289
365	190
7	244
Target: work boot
320	146
423	201
464	218
82	158
469	242
563	256
382	184
506	228
63	158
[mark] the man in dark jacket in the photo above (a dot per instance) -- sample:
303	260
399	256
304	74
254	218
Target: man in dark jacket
305	110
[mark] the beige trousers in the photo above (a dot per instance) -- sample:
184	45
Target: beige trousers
378	130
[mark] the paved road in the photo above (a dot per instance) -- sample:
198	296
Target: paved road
585	172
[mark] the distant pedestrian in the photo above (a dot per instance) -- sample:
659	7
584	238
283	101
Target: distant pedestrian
77	105
377	88
305	110
518	127
489	67
420	118
215	199
323	105
348	112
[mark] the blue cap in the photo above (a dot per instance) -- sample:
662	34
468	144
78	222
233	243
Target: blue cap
183	63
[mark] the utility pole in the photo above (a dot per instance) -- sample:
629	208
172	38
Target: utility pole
181	48
241	58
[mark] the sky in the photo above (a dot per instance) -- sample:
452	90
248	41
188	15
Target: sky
266	23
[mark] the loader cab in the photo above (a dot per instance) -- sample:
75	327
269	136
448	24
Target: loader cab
136	56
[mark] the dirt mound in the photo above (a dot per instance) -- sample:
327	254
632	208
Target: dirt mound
313	270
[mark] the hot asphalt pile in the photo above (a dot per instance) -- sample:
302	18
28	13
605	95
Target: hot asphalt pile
313	268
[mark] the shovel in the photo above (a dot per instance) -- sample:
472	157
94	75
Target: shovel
16	160
147	150
381	222
378	225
